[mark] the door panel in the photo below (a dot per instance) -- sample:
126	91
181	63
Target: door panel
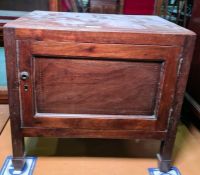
97	86
77	86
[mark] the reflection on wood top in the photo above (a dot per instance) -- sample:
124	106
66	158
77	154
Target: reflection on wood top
90	22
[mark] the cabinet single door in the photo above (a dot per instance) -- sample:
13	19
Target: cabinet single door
96	86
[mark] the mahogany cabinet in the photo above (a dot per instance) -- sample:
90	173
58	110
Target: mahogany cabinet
96	76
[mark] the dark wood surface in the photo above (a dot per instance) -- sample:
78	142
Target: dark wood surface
14	100
167	144
96	76
95	82
88	133
137	58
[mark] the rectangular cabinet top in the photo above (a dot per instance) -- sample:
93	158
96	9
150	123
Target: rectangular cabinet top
90	22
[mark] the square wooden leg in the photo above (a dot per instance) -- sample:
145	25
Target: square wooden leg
18	160
163	165
18	163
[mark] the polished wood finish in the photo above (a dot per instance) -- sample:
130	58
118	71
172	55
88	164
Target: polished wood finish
94	76
14	99
88	133
131	56
167	144
117	77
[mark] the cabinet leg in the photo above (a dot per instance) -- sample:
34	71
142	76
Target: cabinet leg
163	165
18	163
165	156
18	160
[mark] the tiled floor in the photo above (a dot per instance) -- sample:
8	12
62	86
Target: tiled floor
105	157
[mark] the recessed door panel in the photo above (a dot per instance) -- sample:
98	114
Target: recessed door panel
97	86
83	86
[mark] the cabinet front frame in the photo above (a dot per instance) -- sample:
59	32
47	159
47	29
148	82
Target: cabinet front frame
168	55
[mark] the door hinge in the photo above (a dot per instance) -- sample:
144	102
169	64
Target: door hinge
179	65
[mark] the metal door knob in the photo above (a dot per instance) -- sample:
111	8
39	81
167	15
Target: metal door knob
24	75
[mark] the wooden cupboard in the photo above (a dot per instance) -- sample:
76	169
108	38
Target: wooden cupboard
96	76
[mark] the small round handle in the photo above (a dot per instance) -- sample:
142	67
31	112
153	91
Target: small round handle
24	75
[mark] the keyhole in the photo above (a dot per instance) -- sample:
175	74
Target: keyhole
24	77
26	87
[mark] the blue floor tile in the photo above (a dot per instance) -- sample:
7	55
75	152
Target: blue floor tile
28	168
155	171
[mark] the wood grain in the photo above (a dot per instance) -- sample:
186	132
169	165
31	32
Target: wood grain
95	86
98	28
14	99
167	144
107	51
91	22
85	133
91	54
